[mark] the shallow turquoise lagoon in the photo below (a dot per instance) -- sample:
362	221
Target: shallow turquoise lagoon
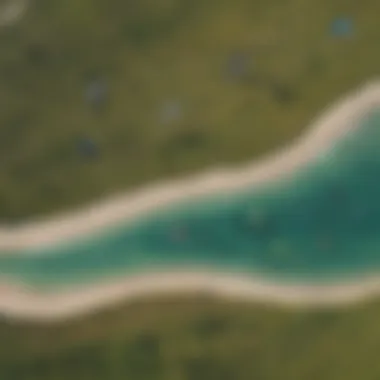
319	224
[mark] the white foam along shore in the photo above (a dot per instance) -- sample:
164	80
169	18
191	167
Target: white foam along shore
22	302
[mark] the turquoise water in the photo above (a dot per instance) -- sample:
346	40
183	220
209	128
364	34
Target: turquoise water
321	223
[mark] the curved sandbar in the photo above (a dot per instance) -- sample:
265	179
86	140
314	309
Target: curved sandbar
335	122
16	302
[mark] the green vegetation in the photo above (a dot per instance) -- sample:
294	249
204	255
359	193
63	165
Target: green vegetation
247	75
197	339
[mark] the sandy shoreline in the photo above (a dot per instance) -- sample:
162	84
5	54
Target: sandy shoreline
322	133
19	303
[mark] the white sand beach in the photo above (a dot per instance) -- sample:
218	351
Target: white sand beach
26	304
338	120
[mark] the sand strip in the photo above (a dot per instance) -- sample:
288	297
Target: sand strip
335	122
19	303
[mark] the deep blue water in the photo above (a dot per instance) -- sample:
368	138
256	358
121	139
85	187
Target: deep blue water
321	223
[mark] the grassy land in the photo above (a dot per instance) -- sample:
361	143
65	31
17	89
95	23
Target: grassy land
195	339
151	52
